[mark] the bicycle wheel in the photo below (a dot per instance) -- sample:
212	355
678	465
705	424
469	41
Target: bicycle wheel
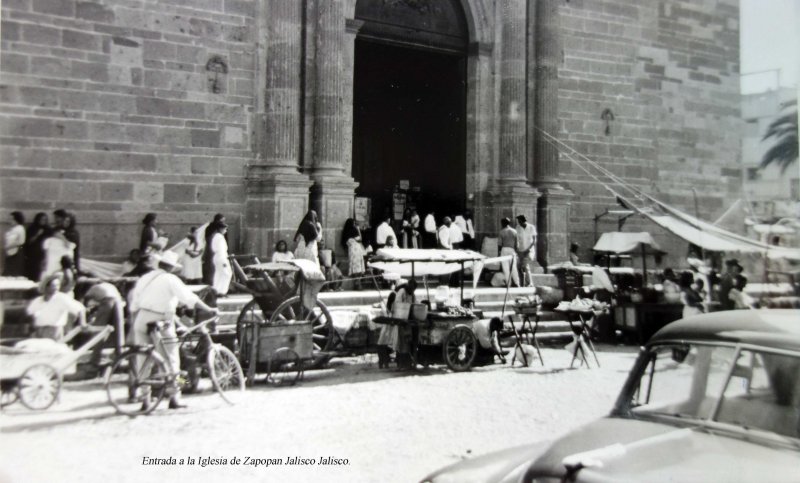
39	386
133	389
226	373
285	367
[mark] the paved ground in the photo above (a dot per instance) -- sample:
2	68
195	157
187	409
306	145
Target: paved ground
388	425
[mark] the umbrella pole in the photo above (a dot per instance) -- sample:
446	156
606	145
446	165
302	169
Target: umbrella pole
461	276
413	297
644	267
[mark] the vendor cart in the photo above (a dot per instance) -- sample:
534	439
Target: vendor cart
284	327
31	371
439	333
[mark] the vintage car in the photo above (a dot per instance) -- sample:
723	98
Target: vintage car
714	397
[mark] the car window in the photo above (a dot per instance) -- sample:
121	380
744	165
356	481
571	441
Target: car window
682	380
763	393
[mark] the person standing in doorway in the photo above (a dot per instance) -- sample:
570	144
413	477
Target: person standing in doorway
429	232
467	230
456	235
526	249
444	233
384	231
508	247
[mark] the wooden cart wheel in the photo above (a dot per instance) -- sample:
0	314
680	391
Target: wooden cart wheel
39	386
285	367
320	317
459	348
251	315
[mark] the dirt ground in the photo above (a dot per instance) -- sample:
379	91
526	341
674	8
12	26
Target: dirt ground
379	425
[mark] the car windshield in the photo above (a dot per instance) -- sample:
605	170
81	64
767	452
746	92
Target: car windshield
748	388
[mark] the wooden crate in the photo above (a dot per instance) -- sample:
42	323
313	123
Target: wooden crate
297	336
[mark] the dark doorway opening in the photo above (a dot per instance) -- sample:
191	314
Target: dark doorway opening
409	106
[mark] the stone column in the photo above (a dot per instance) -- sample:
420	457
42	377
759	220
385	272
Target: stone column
553	209
513	196
334	189
277	194
548	56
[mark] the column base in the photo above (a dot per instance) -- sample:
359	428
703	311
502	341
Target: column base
333	197
552	223
274	206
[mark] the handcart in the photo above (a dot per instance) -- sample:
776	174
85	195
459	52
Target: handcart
285	327
34	375
442	334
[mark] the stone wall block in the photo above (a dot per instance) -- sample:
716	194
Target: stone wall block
205	165
179	193
204	138
63	8
94	12
41	35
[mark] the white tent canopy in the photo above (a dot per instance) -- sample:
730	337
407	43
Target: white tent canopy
623	242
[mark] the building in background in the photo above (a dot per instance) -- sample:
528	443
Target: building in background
264	109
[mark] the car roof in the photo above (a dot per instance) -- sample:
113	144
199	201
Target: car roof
772	328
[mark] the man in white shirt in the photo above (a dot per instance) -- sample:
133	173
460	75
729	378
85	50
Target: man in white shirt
526	249
154	298
53	310
444	234
429	234
467	230
384	231
456	236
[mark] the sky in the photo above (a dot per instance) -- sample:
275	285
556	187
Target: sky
770	39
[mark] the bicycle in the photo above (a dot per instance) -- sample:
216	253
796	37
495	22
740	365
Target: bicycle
140	377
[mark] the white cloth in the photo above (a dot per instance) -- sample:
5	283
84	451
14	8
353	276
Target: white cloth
430	223
507	266
465	225
56	247
456	235
222	267
383	232
192	266
525	237
444	235
282	256
53	312
160	292
14	238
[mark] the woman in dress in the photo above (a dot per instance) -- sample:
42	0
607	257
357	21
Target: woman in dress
148	242
72	235
38	231
208	253
14	243
222	266
351	242
192	264
307	236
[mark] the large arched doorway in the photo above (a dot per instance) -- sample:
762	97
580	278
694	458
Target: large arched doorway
409	105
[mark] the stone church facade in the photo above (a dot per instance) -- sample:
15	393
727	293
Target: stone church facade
257	109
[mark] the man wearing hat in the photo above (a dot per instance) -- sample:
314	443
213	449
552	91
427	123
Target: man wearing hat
526	249
154	298
728	282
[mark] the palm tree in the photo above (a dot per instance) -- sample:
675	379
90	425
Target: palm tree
784	131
